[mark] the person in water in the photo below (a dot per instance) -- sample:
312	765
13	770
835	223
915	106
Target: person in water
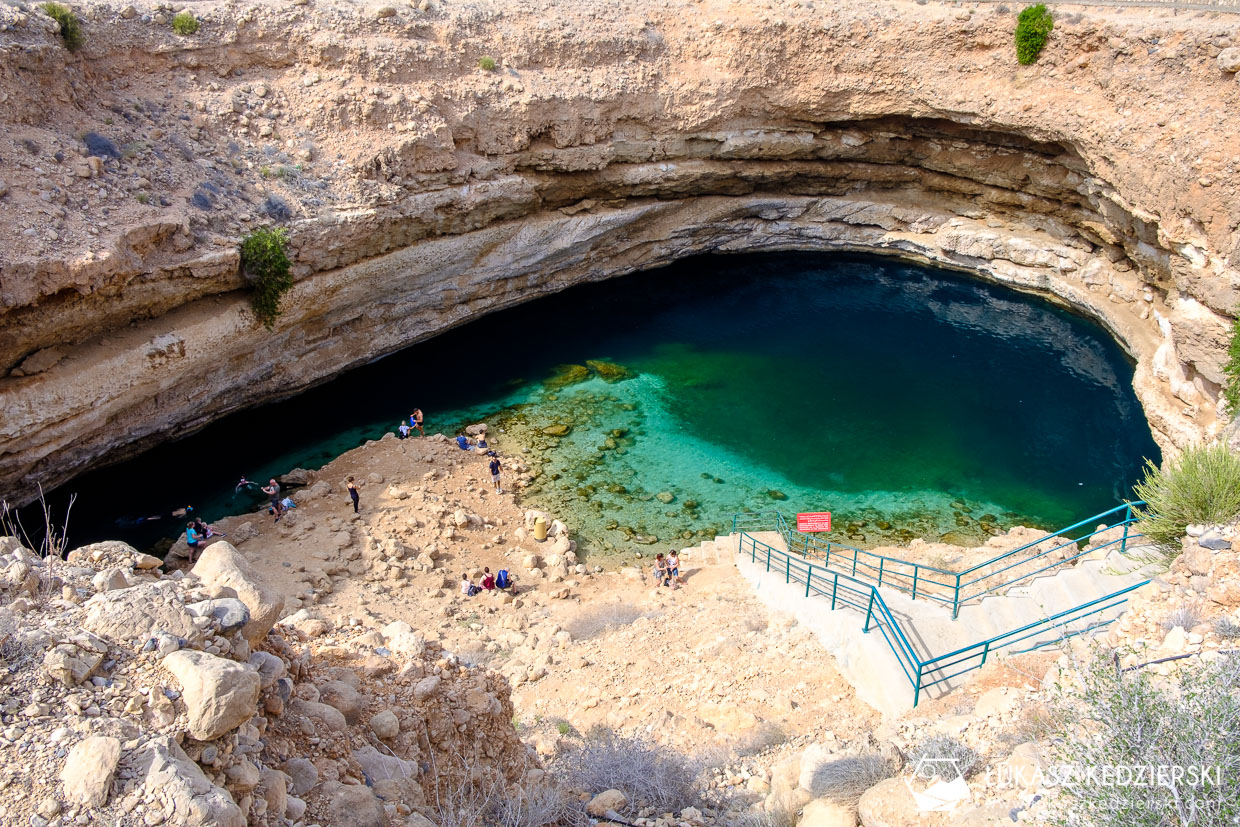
244	483
175	514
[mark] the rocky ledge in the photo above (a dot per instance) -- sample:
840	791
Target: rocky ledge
421	191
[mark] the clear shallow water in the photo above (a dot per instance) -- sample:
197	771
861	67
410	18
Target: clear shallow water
906	400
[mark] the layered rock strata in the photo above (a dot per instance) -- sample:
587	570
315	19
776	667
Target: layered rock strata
421	192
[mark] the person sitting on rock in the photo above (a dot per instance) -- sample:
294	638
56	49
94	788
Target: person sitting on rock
488	580
207	531
468	588
462	442
402	431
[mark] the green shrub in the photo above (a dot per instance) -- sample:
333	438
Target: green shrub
486	63
184	23
1231	388
1150	730
1033	27
1202	486
70	26
264	256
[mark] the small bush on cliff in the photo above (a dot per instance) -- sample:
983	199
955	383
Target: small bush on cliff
264	256
184	23
1202	486
649	774
1033	27
70	26
1130	750
1231	388
487	64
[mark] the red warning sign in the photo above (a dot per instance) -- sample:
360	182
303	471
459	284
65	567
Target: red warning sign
814	521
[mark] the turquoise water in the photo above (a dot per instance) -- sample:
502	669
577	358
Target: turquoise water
908	401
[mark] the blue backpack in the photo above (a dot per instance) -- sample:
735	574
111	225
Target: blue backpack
501	579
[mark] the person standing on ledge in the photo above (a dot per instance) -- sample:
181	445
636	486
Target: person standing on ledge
353	495
415	420
272	490
495	467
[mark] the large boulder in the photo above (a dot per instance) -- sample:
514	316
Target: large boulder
344	698
320	713
88	770
226	573
139	612
185	796
353	805
220	694
380	767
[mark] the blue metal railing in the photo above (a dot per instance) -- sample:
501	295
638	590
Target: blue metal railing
949	587
845	591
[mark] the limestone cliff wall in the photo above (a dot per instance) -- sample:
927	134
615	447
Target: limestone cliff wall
421	192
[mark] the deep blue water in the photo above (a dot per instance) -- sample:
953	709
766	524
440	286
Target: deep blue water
882	391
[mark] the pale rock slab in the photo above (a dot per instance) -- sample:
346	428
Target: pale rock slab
88	770
219	693
138	612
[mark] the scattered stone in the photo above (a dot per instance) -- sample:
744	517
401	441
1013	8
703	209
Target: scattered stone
385	725
605	802
99	146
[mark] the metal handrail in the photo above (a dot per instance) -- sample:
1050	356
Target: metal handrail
923	575
844	590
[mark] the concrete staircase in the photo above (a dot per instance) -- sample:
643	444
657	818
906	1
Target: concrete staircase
868	662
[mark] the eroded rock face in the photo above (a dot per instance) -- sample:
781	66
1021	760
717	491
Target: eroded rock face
625	149
139	612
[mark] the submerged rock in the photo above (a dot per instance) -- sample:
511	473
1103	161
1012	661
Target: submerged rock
610	371
566	375
776	495
559	429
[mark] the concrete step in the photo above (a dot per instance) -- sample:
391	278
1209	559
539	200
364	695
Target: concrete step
928	625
